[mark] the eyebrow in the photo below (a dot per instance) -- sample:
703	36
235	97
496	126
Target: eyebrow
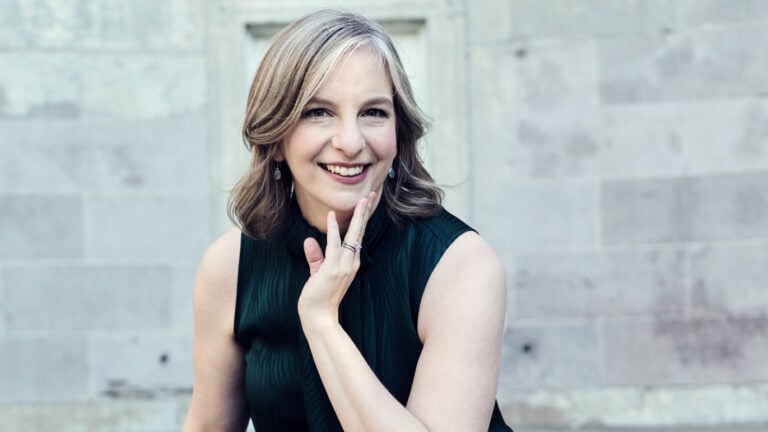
372	101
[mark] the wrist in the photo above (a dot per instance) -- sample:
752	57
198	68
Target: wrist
318	322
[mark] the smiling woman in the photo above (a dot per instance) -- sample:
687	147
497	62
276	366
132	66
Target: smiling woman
347	298
344	144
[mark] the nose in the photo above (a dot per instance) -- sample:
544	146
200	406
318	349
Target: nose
349	139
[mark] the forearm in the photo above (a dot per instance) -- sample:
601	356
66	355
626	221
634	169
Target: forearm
360	400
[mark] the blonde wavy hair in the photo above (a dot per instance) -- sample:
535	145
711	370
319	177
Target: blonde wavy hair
292	70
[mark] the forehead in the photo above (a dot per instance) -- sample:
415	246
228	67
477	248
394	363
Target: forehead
361	70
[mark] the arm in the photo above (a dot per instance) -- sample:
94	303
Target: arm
218	400
460	322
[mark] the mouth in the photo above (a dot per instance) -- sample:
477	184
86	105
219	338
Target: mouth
345	170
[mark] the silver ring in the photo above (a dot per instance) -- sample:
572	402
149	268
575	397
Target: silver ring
353	248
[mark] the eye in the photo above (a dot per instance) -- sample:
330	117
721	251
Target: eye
315	112
375	112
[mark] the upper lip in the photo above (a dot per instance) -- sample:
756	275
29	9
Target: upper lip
345	164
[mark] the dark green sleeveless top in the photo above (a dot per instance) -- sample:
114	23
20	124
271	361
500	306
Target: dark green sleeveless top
379	312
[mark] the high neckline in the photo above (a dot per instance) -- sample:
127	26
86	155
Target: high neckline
300	229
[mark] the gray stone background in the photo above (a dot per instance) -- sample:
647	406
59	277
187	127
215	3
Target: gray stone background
618	164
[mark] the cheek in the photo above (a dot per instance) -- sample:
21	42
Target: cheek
299	145
384	142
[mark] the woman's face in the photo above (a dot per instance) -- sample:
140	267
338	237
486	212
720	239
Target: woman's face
344	144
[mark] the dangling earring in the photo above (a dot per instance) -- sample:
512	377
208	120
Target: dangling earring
391	173
277	175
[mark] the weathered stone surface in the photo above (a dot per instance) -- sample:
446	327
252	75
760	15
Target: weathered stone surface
157	415
636	211
538	216
598	284
100	24
686	209
736	408
532	18
684	67
550	355
3	303
629	141
87	298
154	155
730	206
160	364
686	351
689	139
500	20
42	369
75	84
45	155
729	279
40	227
40	156
181	300
148	228
709	12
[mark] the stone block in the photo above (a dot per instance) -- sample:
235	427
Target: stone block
670	350
714	65
696	408
167	154
41	227
157	415
713	12
87	298
538	216
536	114
42	369
729	278
563	18
730	206
103	25
550	355
40	156
157	228
181	300
637	211
686	209
695	138
45	155
160	364
501	20
77	84
598	284
3	303
535	110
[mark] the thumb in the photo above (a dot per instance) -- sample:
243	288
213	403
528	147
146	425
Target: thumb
314	254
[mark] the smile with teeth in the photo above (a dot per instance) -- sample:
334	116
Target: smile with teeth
345	171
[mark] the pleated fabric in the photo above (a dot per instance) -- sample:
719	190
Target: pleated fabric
379	312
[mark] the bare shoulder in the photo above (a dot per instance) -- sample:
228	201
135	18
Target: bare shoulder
461	324
216	283
468	279
472	250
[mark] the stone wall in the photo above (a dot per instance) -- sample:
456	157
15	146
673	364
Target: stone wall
618	164
105	210
620	161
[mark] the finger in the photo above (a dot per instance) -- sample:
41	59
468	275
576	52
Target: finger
333	236
357	225
369	209
314	254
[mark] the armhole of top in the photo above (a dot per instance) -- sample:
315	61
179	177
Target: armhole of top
242	258
445	238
